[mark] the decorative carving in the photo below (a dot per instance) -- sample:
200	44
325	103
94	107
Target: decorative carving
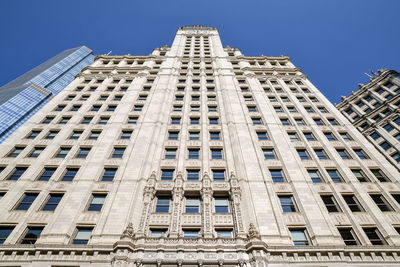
253	232
128	232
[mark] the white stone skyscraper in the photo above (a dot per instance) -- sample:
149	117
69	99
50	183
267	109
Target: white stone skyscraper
195	155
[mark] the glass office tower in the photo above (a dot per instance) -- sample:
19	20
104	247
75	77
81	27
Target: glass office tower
24	96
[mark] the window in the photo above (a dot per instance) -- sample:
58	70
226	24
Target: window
47	173
36	152
309	136
17	173
293	137
380	175
299	122
353	203
278	109
167	174
64	120
5	231
173	135
175	120
218	175
333	122
221	204
108	174
359	174
195	121
27	200
374	236
321	154
309	109
32	234
193	153
162	205
111	108
361	154
132	120
375	135
83	152
48	119
126	134
52	134
75	134
118	97
118	152
261	136
16	151
343	154
269	153
277	176
52	202
212	108
33	134
194	135
285	122
330	203
69	174
97	202
299	237
103	120
215	136
192	233
62	152
193	175
177	108
158	232
86	120
330	136
315	176
170	153
216	153
94	135
396	156
303	154
385	145
388	127
195	108
381	202
75	107
287	203
82	236
252	108
224	233
348	236
318	122
192	205
213	121
256	121
335	176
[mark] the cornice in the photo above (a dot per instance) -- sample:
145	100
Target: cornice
262	57
127	56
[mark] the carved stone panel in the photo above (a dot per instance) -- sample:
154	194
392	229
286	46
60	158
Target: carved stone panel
363	218
223	220
160	219
164	186
192	186
191	219
220	186
293	218
339	218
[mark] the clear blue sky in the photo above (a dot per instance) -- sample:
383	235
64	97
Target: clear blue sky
333	41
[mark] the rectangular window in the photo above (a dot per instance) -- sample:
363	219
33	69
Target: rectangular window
193	153
118	152
62	152
315	176
82	236
361	154
318	122
17	173
385	145
52	202
103	120
343	153
224	233
212	108
293	137
194	135
32	234
5	231
335	176
359	174
70	174
287	203
86	120
380	175
269	153
256	121
216	153
52	134
83	152
137	108
285	122
330	136
345	136
262	136
173	135
353	203
126	134
330	203
97	202
192	233
213	121
374	236
158	232
300	122
195	121
94	135
170	153
221	205
381	202
321	154
33	134
192	205
218	175
167	174
175	120
215	136
15	152
27	200
75	134
36	152
277	176
303	154
108	174
348	236
299	237
64	120
48	119
132	119
193	175
309	136
47	173
162	205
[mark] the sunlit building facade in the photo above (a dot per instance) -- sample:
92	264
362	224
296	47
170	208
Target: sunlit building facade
195	155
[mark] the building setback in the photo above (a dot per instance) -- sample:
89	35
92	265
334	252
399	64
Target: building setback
374	110
21	98
195	155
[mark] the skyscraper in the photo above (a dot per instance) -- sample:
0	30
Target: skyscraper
195	155
374	110
24	96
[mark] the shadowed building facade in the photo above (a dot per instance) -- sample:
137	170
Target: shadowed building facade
195	155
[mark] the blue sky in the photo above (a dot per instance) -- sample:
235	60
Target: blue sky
333	42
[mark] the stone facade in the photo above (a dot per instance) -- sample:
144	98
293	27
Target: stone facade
195	155
374	110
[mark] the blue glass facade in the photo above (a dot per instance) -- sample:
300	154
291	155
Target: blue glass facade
23	97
